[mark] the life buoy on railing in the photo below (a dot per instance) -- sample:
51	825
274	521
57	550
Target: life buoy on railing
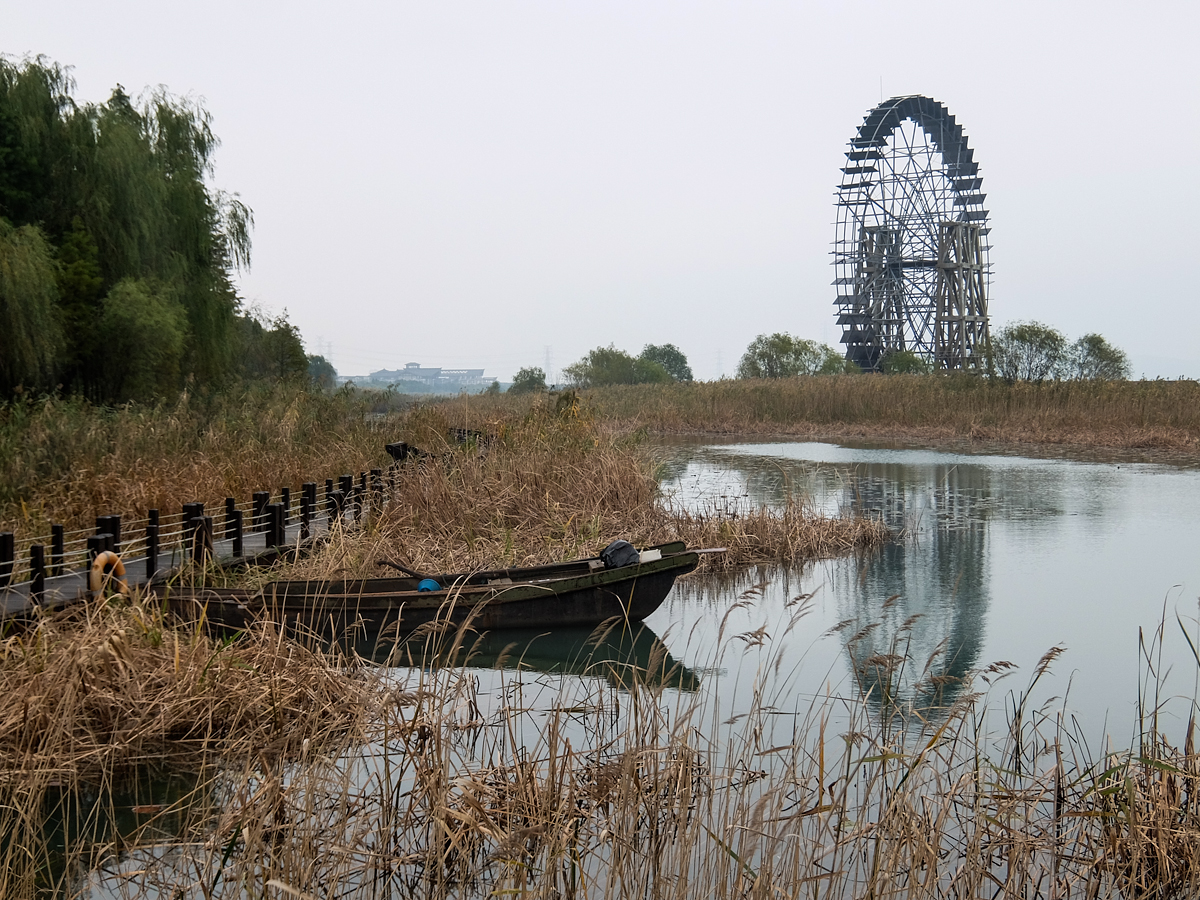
97	576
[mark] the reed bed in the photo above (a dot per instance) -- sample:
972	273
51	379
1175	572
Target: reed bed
550	485
508	784
68	461
1153	415
107	685
108	693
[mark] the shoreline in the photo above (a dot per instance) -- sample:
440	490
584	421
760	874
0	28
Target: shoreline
1084	447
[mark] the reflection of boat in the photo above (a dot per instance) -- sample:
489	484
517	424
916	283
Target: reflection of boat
581	592
620	653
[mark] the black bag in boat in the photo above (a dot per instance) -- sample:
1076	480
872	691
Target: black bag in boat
618	554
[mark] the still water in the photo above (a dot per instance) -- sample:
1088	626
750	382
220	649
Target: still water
1002	558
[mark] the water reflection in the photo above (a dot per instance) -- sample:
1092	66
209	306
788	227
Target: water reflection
1006	557
620	653
85	826
917	609
913	614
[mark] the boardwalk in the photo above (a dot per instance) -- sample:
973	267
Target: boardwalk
71	587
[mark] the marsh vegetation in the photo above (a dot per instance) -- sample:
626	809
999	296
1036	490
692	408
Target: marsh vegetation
322	773
317	769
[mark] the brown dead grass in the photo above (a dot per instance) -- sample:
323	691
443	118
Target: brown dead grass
109	685
1139	415
67	461
550	486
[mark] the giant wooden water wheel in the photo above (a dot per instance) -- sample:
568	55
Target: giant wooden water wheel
911	251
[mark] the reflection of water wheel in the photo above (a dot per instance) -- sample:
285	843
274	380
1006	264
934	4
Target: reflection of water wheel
911	251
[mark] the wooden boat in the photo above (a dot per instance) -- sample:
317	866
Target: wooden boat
581	592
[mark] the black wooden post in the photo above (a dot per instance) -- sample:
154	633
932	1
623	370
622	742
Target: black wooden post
202	537
285	500
239	549
230	506
328	489
191	512
95	546
337	502
273	513
309	490
151	545
37	573
259	501
110	525
58	548
305	515
105	542
8	550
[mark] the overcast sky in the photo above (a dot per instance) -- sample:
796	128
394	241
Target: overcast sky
489	184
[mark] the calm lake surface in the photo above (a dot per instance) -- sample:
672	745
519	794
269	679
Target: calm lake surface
1005	557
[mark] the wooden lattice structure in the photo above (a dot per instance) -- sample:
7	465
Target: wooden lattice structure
911	250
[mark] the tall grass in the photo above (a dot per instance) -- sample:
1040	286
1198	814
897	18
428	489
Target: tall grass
1131	414
104	693
67	460
550	485
473	784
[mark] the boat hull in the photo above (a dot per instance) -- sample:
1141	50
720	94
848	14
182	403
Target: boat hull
570	595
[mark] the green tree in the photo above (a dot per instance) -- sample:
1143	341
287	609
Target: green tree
322	373
781	355
528	381
608	366
81	290
30	333
904	362
141	330
122	189
670	358
269	349
493	388
1028	351
1093	358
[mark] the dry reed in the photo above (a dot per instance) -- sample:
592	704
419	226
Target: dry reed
645	792
1152	415
548	486
69	461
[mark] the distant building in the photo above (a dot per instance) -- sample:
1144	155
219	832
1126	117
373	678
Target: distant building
433	380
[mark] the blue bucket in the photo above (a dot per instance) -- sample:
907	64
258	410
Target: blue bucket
428	584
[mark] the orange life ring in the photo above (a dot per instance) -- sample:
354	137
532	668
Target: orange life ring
97	576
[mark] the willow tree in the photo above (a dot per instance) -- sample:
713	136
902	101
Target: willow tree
141	332
28	309
122	188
